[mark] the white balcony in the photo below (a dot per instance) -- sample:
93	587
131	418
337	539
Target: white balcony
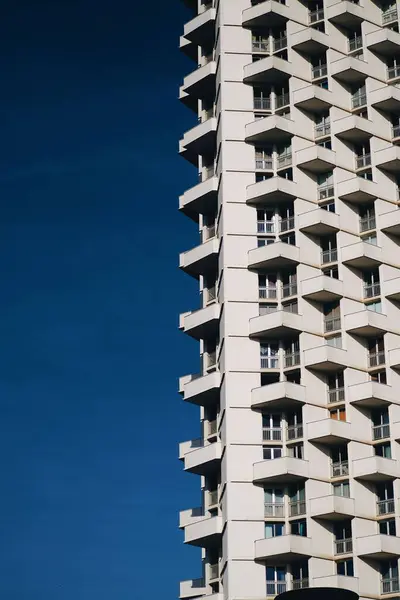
371	394
270	130
366	323
280	470
325	358
201	324
199	140
375	468
276	325
318	222
329	431
200	259
268	13
200	199
357	190
309	41
280	394
332	508
192	588
350	69
283	548
345	14
201	29
354	129
378	547
203	531
199	84
274	256
394	358
273	190
390	222
383	41
388	159
313	98
316	159
362	255
201	390
337	581
322	288
386	98
392	288
200	458
268	70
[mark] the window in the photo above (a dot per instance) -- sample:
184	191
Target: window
289	284
372	286
331	316
383	450
336	387
332	272
296	451
262	97
387	527
274	502
269	355
299	528
267	309
265	221
338	414
325	185
264	241
376	351
379	377
335	340
272	427
263	158
299	571
385	498
329	249
370	239
341	489
390	576
329	206
345	567
272	452
297	500
289	239
292	307
374	306
276	580
274	529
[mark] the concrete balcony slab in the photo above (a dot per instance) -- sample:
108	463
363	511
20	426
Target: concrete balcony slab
325	358
375	468
202	390
319	222
332	508
200	199
201	259
199	457
276	325
268	70
329	431
278	395
313	98
378	547
201	324
280	470
357	190
273	190
362	255
316	159
274	256
371	394
366	323
321	288
284	548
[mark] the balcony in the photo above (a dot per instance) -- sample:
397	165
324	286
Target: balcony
355	44
322	288
199	457
272	434
313	98
350	69
276	325
201	324
378	547
192	588
319	222
200	199
392	288
375	468
199	140
371	290
354	129
202	390
388	159
390	585
267	70
358	100
284	548
329	256
337	581
274	510
291	359
357	190
394	358
270	130
340	469
365	323
362	255
325	358
332	508
199	84
280	470
346	14
344	546
328	431
371	394
201	29
281	394
261	47
316	159
201	259
386	98
273	191
267	293
279	44
385	507
274	256
269	13
390	222
383	41
203	531
389	16
309	41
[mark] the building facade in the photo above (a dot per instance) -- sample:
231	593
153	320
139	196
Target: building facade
297	148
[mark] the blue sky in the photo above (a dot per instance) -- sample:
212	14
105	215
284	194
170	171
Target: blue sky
90	353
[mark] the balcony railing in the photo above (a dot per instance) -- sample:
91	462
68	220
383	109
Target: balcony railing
264	164
367	223
316	15
329	256
269	362
289	289
210	294
385	507
363	161
343	546
268	292
358	100
395	131
336	395
297	508
214	571
282	100
274	509
299	584
287	224
209	231
322	129
331	324
394	72
380	431
212	497
319	71
325	191
292	359
265	226
371	290
272	434
260	46
274	588
375	359
390	585
340	469
389	15
279	43
284	161
295	431
262	103
355	43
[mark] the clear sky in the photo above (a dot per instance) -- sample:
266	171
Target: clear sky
90	294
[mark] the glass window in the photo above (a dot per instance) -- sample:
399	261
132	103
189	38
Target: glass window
338	414
383	450
375	306
299	527
272	452
341	489
387	527
345	567
274	529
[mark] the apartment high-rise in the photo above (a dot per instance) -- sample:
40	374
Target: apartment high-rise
297	148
